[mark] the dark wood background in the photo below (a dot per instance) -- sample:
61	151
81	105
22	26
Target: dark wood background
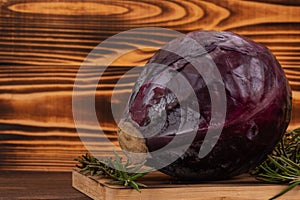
43	43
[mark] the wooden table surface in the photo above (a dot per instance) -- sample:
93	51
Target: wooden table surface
38	185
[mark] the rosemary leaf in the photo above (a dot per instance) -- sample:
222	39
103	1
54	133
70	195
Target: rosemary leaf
122	173
291	186
283	164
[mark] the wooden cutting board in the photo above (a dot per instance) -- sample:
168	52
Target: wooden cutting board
162	187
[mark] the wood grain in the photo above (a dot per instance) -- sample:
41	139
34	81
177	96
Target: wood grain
43	43
38	185
161	186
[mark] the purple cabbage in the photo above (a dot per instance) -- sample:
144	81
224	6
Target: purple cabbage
257	101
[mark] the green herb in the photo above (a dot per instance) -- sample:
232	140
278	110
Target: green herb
283	165
122	173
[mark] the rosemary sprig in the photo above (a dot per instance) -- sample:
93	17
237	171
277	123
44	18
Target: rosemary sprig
283	165
122	173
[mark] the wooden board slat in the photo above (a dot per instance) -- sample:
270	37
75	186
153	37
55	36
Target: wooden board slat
160	186
38	185
43	43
